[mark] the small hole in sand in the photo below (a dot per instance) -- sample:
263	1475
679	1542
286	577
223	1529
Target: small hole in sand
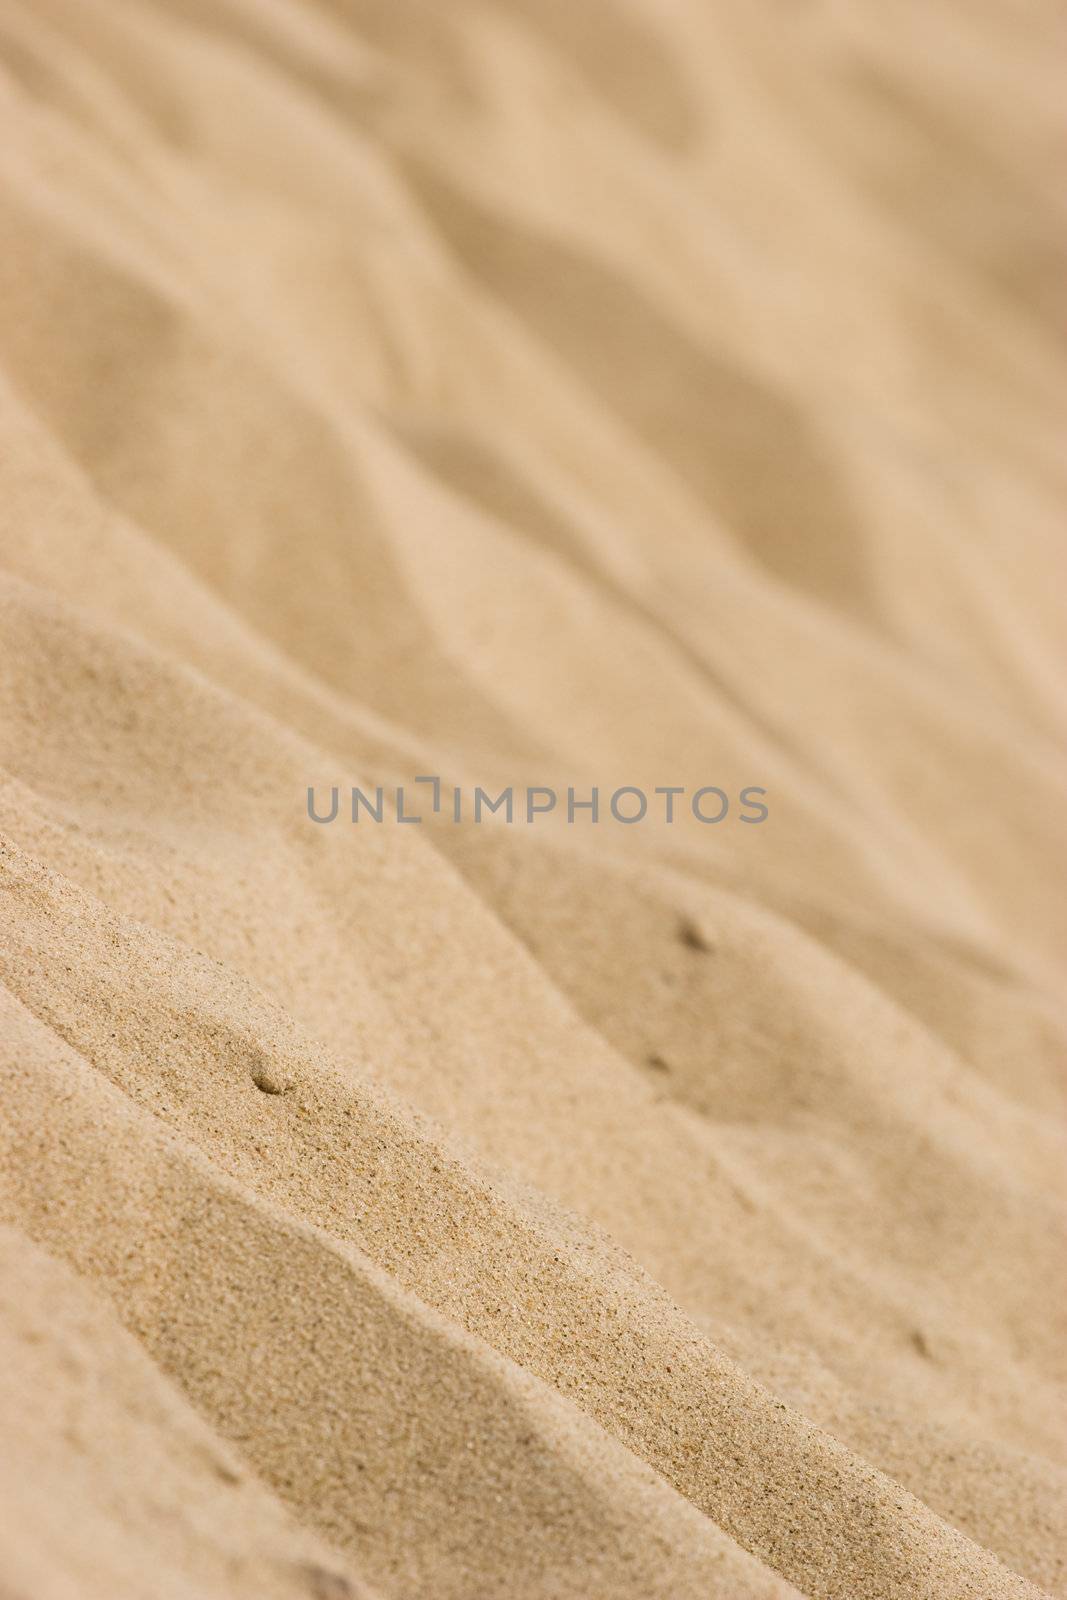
658	1063
325	1585
269	1082
693	936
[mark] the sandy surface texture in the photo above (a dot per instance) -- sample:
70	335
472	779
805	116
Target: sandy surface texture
658	398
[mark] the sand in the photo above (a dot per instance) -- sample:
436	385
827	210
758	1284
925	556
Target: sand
538	395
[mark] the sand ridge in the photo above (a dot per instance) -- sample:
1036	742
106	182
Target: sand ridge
537	394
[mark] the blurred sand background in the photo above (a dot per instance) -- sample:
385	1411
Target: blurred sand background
560	392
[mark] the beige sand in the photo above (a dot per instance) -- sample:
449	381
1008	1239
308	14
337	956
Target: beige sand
560	392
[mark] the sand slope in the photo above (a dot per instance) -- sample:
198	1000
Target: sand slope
524	392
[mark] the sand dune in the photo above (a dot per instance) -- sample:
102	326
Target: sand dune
626	396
